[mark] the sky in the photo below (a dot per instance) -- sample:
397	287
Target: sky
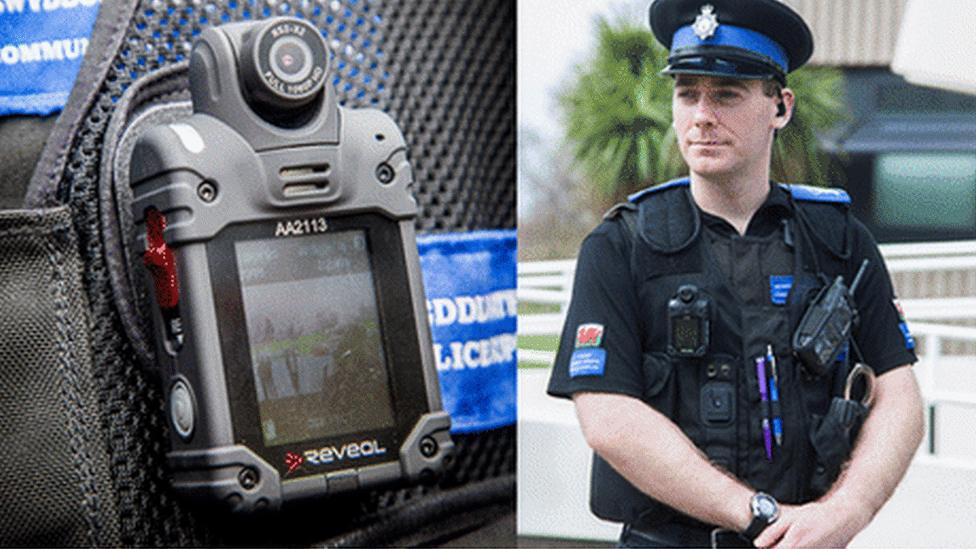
553	37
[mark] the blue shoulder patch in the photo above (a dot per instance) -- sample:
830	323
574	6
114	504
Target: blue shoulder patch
817	194
683	182
588	361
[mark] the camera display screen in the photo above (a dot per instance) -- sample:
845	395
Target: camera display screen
314	336
687	333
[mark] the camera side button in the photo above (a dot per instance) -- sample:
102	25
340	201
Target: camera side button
181	411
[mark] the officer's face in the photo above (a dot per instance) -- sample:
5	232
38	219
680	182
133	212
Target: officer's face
724	126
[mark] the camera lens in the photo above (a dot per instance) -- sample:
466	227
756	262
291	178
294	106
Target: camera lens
291	59
286	63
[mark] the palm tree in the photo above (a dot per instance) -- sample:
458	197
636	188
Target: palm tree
618	114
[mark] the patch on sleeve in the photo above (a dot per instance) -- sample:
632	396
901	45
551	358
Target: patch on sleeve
588	359
589	335
903	326
842	357
909	339
779	288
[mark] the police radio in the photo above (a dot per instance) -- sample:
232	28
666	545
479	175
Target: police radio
688	322
289	317
826	325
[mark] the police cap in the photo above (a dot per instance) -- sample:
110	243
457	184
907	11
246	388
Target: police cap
750	39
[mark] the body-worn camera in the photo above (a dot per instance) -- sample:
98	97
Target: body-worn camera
278	230
688	323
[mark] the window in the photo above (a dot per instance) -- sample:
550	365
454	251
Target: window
908	155
924	193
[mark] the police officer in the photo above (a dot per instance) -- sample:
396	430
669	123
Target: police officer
679	334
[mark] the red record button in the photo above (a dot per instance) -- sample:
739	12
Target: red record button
160	261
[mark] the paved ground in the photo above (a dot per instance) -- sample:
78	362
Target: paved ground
530	542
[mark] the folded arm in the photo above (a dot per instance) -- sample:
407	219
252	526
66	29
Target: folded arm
884	448
649	450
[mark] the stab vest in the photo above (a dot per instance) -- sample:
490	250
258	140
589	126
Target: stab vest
715	399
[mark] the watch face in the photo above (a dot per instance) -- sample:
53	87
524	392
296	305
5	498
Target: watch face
764	506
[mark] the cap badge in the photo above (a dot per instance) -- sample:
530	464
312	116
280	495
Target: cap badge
706	23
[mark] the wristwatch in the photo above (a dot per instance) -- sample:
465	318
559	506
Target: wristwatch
765	511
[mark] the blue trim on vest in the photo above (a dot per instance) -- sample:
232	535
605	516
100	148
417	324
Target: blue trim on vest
470	283
736	37
799	192
817	194
683	182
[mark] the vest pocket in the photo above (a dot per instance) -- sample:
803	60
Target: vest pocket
830	436
56	468
659	386
713	425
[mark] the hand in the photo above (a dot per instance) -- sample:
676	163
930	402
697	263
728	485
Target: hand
816	524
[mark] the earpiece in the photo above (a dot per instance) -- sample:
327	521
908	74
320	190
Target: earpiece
781	106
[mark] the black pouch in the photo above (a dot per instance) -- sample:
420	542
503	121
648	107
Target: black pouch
832	437
55	484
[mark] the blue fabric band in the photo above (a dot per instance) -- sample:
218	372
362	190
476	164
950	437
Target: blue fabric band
41	47
651	190
736	37
470	283
817	194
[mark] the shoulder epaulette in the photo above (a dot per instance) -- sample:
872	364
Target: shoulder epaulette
833	231
683	182
817	194
627	212
617	209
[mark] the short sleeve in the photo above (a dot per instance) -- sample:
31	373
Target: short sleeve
600	349
882	335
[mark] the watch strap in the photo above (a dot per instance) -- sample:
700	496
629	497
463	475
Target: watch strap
756	526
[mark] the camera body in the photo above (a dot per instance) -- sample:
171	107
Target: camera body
289	318
689	323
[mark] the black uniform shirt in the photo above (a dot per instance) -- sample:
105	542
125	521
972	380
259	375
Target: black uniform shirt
763	251
605	321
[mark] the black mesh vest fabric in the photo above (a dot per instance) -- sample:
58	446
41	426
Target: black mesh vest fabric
444	71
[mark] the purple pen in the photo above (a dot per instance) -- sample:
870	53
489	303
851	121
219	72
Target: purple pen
764	397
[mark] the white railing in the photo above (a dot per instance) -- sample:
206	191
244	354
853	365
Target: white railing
551	283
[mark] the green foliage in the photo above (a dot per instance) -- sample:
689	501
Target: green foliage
618	114
797	156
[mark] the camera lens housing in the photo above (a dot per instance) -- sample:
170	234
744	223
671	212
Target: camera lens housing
284	64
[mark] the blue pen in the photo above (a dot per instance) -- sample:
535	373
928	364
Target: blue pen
774	396
767	434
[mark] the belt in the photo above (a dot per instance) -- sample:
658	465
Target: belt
678	534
